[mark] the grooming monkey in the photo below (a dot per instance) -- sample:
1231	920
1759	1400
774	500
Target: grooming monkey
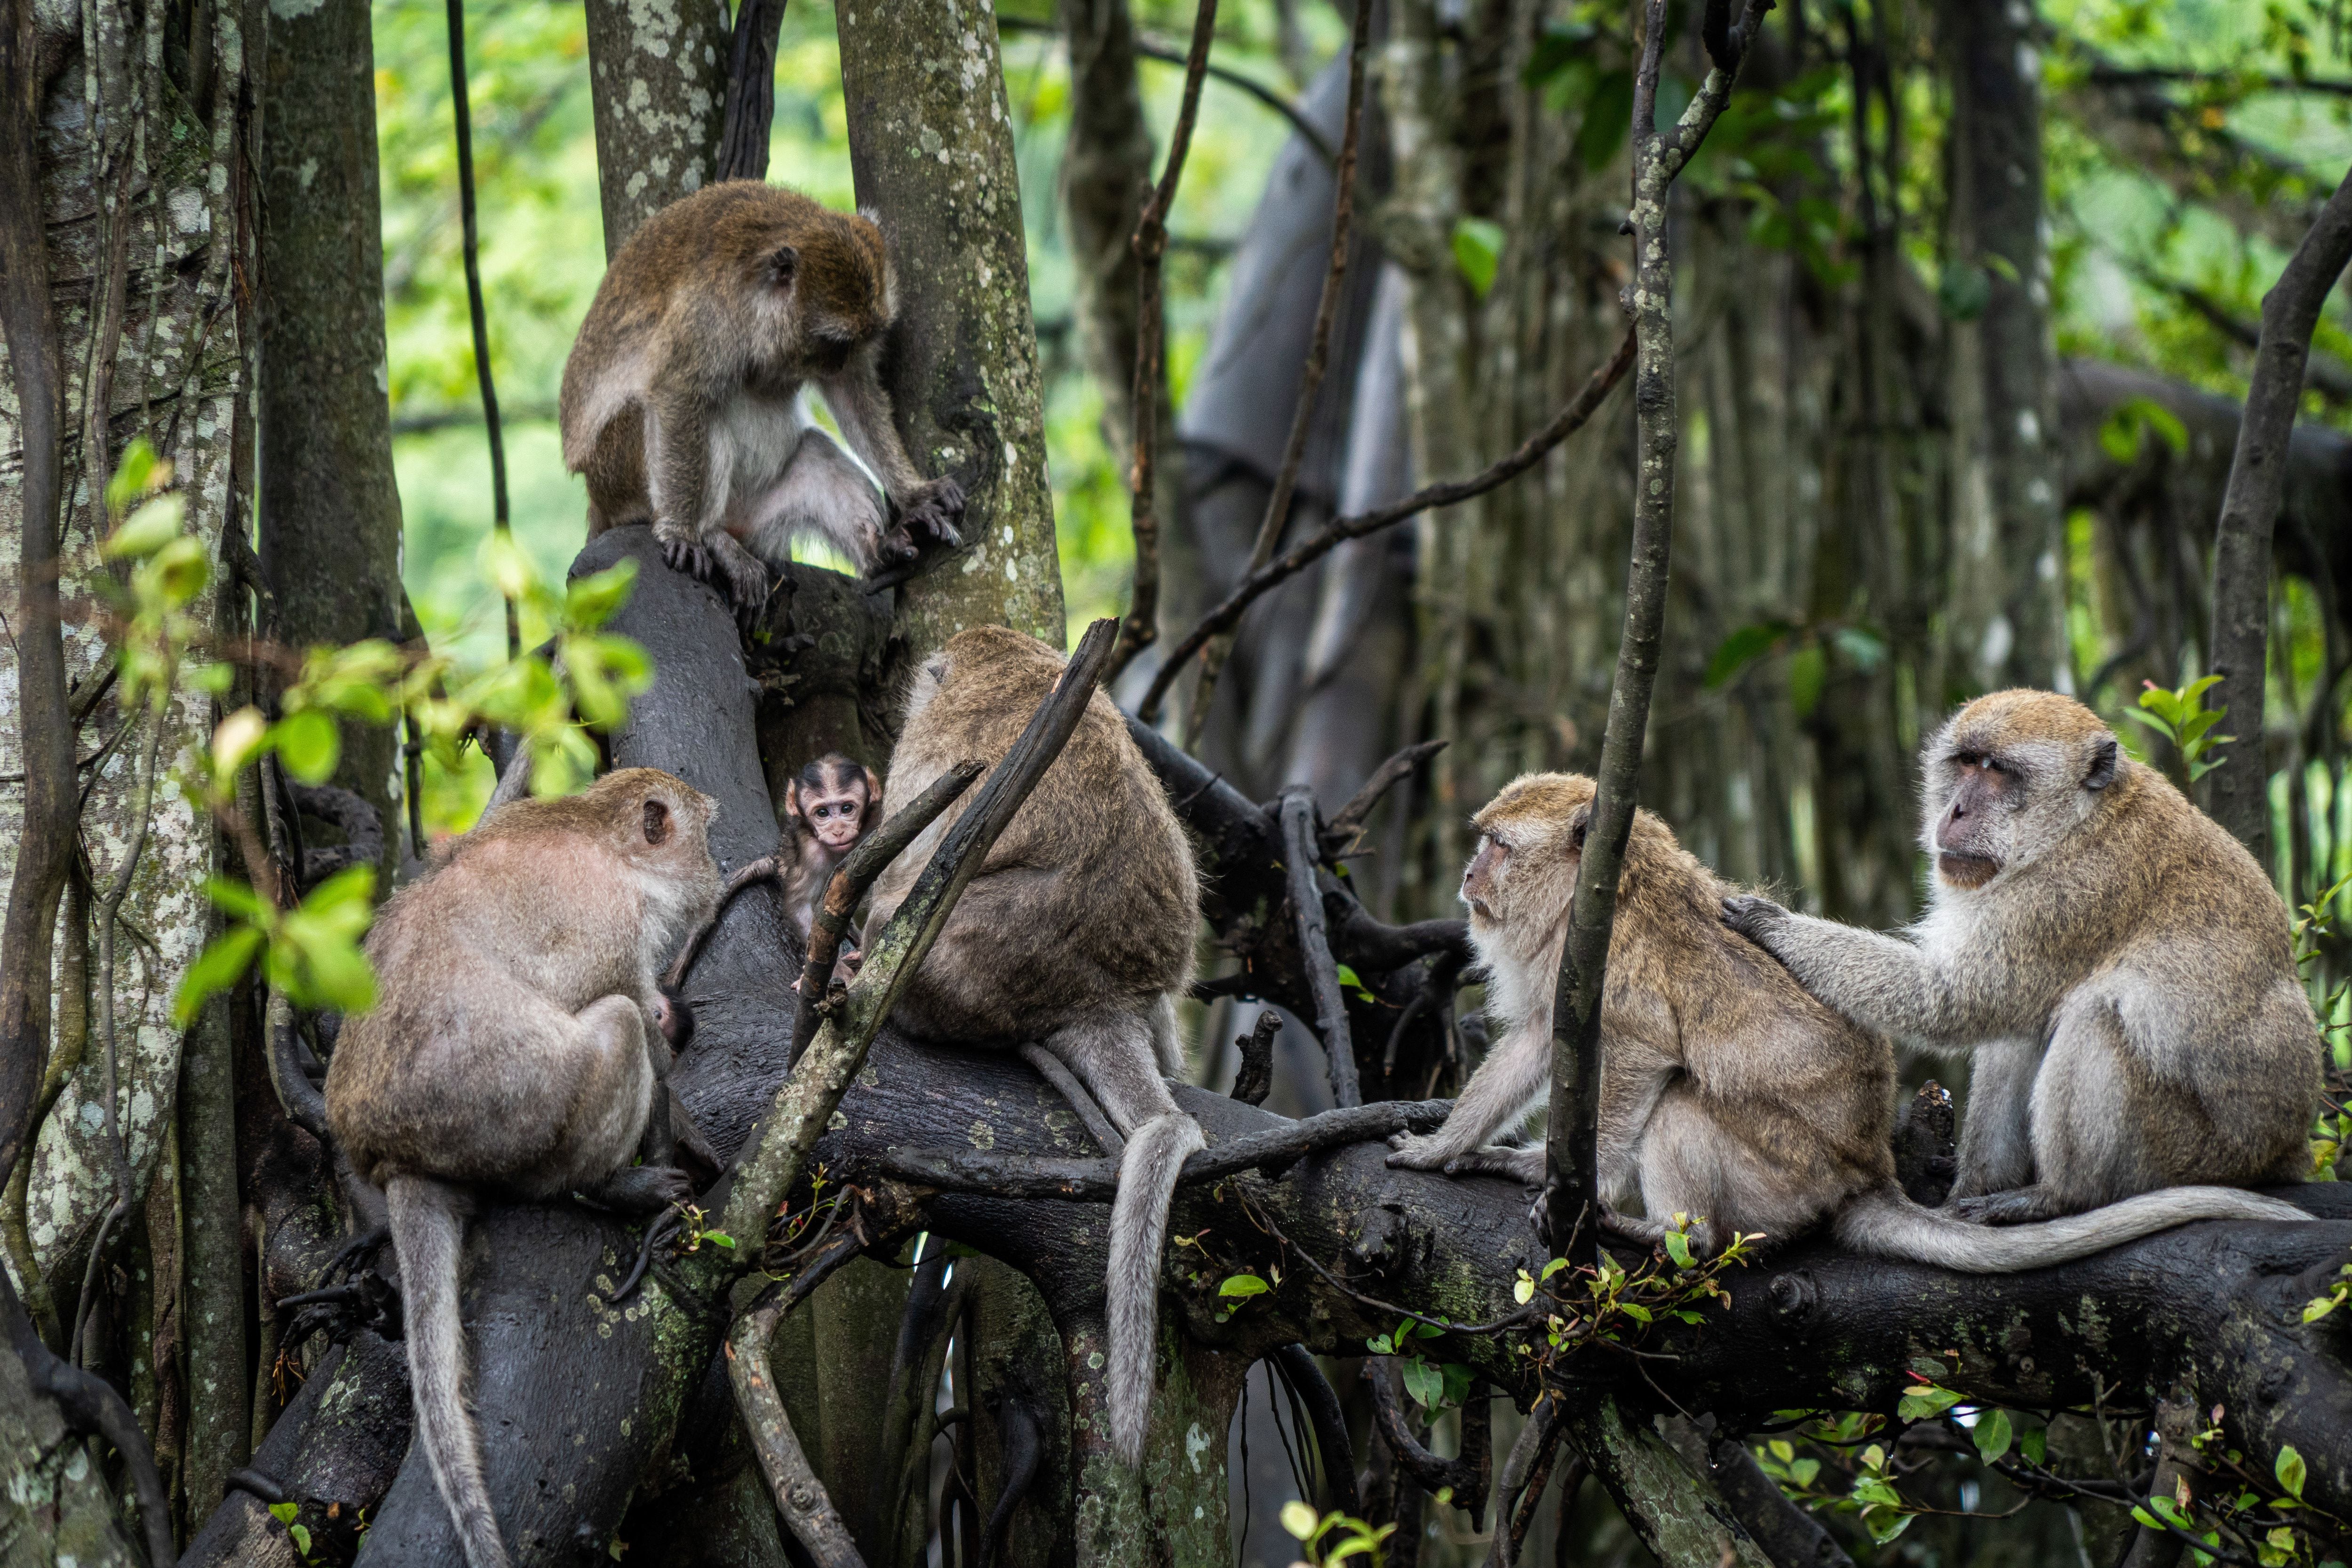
682	399
1078	932
831	805
1726	1093
514	1049
2118	965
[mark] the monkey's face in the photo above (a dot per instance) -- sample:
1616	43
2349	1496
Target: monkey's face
836	814
2007	779
1531	842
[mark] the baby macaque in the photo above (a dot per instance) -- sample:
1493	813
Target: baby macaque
1078	931
834	804
682	399
2117	966
1726	1093
515	1047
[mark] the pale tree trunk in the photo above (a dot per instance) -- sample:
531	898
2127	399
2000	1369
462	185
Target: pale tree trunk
2007	622
659	77
142	187
930	142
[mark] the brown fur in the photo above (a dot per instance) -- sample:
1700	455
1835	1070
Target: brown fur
1076	932
680	400
2120	969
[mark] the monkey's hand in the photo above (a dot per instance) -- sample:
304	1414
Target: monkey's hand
928	514
1756	919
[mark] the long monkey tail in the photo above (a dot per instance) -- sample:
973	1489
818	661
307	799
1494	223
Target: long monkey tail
428	1234
1887	1225
1138	1231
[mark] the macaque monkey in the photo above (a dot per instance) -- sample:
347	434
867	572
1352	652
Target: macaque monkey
516	1049
834	804
2119	967
1078	932
682	399
1726	1093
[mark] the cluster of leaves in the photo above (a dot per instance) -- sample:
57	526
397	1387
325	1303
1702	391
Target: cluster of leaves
1433	1386
309	950
1608	1302
2182	717
2266	1514
1335	1537
1809	648
2333	1129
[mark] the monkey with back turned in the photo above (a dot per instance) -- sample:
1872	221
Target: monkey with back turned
682	397
2120	969
1726	1093
515	1047
1076	932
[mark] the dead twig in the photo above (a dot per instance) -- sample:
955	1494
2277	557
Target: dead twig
1302	850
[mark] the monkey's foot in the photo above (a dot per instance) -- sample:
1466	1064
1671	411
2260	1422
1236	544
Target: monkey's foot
644	1189
356	1254
1525	1166
1418	1152
928	514
2018	1205
1648	1232
688	555
1754	918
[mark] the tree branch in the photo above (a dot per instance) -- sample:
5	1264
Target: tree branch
1448	492
1302	854
1572	1179
800	1496
751	109
2239	792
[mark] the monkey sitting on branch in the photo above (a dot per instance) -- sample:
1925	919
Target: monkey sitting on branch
1076	932
1727	1093
682	399
829	808
516	1049
2120	968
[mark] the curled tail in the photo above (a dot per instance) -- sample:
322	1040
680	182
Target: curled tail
428	1234
1138	1231
1887	1225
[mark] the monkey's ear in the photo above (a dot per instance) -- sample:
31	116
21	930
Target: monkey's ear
1578	824
2102	764
657	822
783	265
873	788
792	798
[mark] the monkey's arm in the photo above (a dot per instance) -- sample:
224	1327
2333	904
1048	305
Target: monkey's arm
1498	1093
678	458
927	509
1880	982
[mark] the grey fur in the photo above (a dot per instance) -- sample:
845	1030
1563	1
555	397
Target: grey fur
428	1232
1886	1224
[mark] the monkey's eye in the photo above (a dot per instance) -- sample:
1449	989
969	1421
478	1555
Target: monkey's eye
656	822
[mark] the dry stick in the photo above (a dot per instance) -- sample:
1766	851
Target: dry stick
1525	1469
1301	851
499	518
800	1496
2250	508
1140	629
796	1119
1343	827
1572	1180
1445	492
1318	358
1097	1181
855	875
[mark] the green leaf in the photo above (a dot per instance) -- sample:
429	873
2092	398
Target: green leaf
221	965
1925	1401
139	472
1243	1285
353	886
1380	1345
1478	251
1742	649
302	1537
1299	1519
1608	119
1992	1435
148	530
1457	1383
589	602
236	897
1803	1471
2034	1446
1809	670
1635	1310
2319	1307
2290	1471
1678	1248
1524	1290
1425	1383
309	743
718	1238
284	1512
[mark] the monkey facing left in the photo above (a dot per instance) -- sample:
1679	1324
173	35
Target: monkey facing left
520	1037
682	398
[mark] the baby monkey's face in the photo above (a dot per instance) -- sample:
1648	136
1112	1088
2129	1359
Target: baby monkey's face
836	819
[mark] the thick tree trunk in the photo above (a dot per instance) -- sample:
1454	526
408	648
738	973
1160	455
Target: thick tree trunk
930	142
2007	619
330	506
659	81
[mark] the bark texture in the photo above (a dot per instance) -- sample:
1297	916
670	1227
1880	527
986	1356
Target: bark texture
659	73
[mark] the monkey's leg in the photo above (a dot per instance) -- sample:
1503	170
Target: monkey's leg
821	491
929	509
2090	1116
1996	1151
599	1091
1116	1060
